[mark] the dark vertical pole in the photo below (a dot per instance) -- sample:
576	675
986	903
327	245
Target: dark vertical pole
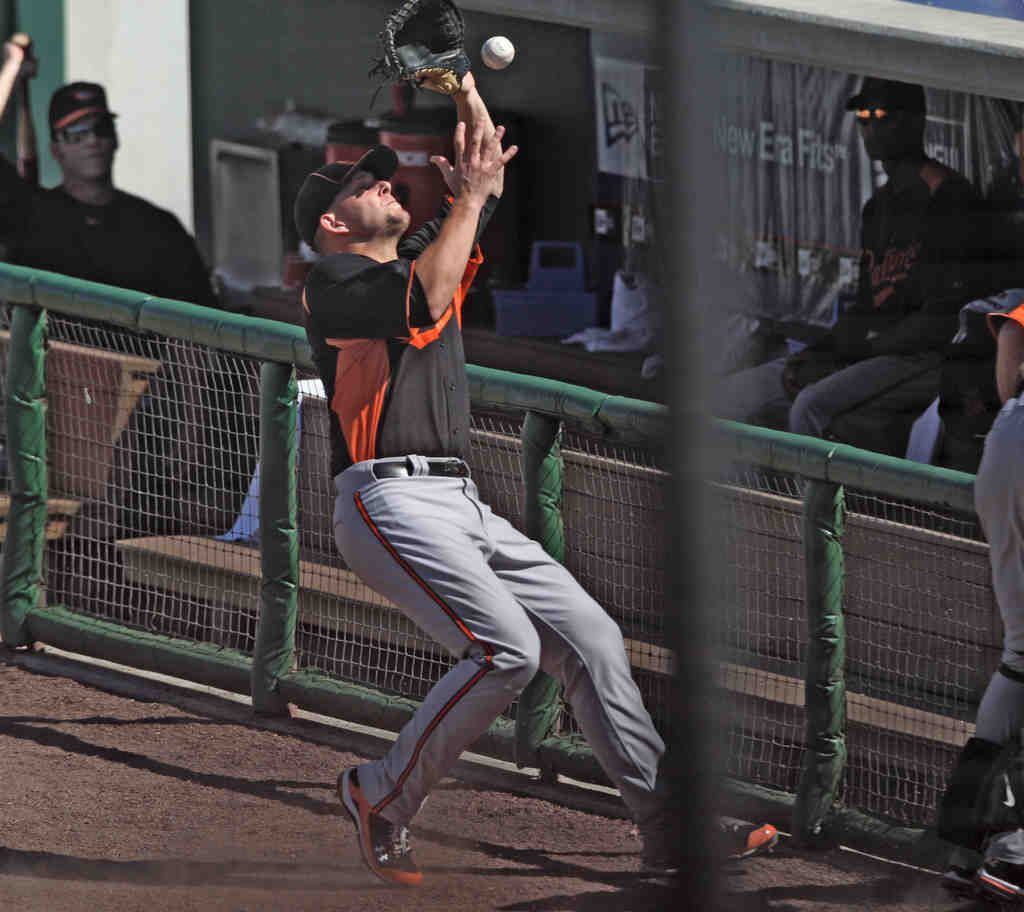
684	224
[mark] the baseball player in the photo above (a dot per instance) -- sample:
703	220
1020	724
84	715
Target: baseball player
383	317
999	501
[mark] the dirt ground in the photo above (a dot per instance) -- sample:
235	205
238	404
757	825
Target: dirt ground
123	794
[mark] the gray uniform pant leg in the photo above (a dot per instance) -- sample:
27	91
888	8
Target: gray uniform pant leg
429	545
748	394
904	383
999	501
582	647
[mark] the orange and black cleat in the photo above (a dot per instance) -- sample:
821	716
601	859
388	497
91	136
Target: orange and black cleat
384	845
745	840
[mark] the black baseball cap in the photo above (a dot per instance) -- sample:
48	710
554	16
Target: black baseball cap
320	188
76	100
888	94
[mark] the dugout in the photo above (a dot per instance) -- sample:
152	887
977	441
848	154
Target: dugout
946	50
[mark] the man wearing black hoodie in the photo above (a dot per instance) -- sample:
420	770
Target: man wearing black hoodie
868	379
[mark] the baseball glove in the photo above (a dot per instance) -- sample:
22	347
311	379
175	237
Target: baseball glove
422	44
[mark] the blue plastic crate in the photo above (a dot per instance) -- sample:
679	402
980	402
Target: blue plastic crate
543	313
556	266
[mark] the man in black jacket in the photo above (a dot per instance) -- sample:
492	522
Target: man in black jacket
866	380
86	227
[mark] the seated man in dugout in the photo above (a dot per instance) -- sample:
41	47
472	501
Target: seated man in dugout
867	380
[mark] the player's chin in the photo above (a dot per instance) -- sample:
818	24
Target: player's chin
398	219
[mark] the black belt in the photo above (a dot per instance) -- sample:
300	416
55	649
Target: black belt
452	468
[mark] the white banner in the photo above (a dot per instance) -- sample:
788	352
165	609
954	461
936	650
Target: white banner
621	104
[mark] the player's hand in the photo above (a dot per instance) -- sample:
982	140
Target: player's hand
15	56
447	172
479	163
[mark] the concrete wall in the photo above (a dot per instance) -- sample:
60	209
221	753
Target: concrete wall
140	53
248	57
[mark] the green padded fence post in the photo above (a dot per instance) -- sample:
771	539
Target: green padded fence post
22	563
542	469
825	685
279	539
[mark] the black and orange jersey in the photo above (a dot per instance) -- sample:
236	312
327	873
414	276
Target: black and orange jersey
395	379
922	237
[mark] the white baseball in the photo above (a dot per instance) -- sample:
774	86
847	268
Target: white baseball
497	52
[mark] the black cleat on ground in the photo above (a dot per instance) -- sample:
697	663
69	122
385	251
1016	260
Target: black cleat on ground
384	845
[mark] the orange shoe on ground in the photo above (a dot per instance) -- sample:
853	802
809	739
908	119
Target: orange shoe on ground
384	845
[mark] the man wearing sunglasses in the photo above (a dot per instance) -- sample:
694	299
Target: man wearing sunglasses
866	380
86	227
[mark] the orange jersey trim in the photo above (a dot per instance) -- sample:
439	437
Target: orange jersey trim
361	380
421	337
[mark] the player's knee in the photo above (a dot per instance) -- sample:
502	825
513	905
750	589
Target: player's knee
515	659
517	665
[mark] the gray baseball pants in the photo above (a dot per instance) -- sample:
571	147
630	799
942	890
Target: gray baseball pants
999	501
896	384
503	608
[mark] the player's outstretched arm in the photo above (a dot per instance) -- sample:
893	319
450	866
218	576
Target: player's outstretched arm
479	163
16	65
472	111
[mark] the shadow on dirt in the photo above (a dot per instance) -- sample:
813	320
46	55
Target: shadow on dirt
249	874
272	790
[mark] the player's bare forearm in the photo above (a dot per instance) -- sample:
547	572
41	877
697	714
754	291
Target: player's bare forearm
14	57
440	267
470	106
472	110
1009	358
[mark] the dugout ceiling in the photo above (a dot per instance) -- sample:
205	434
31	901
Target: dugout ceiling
943	48
913	40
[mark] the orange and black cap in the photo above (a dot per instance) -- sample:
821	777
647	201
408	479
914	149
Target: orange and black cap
72	102
319	189
888	94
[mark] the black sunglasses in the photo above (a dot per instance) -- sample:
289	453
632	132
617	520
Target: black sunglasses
864	115
76	133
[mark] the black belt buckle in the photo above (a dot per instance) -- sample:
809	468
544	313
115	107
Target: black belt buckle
453	468
449	468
